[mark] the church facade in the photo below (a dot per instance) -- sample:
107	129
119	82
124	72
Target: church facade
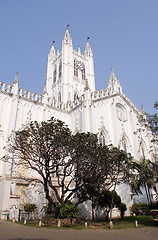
69	95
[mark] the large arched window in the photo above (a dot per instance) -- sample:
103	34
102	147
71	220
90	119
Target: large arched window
75	96
124	144
102	138
142	153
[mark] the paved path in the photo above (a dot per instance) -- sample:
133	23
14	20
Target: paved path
13	231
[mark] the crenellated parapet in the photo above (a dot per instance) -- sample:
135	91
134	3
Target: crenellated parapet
42	99
9	89
100	94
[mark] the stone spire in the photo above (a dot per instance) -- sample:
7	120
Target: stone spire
88	49
52	53
16	79
45	89
114	84
67	39
15	85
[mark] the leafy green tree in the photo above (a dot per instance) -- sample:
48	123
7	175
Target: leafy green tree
122	207
45	148
98	167
143	177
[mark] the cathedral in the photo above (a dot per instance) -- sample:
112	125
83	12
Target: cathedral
69	95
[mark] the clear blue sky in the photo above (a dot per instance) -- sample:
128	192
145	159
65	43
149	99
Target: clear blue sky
123	35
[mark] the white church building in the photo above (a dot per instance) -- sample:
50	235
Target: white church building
69	95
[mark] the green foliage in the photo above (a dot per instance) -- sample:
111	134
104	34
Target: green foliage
30	207
139	208
122	207
153	120
69	210
144	178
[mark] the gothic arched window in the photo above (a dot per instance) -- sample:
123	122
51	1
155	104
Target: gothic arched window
54	74
75	96
75	69
59	97
102	138
142	150
124	144
60	69
83	74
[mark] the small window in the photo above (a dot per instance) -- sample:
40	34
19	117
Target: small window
142	150
60	70
75	69
54	74
124	145
102	139
59	97
75	96
83	74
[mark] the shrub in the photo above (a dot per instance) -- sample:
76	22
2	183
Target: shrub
30	207
139	208
69	210
122	207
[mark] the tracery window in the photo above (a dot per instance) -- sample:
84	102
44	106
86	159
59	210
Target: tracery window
59	97
75	69
75	96
83	74
124	144
60	70
142	150
102	138
54	74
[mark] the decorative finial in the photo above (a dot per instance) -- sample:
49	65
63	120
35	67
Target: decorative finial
87	39
53	43
68	26
16	78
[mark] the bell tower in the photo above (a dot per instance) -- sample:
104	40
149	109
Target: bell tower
68	70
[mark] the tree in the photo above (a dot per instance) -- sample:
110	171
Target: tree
45	148
98	168
122	207
61	161
108	199
67	166
146	171
143	177
152	120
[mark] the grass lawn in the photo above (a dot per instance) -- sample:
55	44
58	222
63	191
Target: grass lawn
127	222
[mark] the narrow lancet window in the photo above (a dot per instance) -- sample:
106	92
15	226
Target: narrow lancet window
54	74
75	69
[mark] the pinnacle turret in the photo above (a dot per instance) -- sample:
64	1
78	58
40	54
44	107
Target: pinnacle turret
88	49
16	79
67	39
114	84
